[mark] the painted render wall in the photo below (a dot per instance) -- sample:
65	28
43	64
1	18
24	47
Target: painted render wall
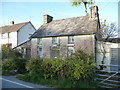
99	55
24	33
84	42
12	39
33	47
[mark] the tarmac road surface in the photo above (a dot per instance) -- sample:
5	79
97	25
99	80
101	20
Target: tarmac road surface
13	82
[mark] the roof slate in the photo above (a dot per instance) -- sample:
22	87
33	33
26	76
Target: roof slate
71	26
12	28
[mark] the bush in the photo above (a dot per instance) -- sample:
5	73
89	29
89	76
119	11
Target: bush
21	63
8	65
79	66
34	66
55	68
73	72
17	64
10	53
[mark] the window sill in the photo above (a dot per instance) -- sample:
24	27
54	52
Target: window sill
70	44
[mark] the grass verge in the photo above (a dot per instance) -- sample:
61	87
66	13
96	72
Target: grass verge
55	83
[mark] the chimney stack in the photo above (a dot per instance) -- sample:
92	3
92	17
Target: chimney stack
94	12
12	23
47	18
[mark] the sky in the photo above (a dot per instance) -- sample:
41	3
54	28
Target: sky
11	10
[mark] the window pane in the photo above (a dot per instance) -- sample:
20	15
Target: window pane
40	41
71	50
40	51
71	40
54	40
54	52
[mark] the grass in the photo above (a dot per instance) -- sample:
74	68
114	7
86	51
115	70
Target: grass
55	83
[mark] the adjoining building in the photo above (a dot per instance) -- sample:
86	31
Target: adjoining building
15	34
108	54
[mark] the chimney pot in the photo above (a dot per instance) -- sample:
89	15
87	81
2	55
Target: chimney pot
12	23
47	18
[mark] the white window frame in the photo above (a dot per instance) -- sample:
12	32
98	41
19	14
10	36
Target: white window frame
70	39
70	50
39	52
39	41
54	40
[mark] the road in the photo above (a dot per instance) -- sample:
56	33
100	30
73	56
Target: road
12	82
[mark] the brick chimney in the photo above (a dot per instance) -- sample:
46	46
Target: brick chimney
47	18
94	12
12	23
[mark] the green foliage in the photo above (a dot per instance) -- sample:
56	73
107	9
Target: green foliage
78	2
85	2
34	66
56	83
10	53
12	64
79	66
73	72
55	68
8	65
21	63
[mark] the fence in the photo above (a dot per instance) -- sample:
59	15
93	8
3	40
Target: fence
108	79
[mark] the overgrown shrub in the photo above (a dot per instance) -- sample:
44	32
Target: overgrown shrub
34	66
56	68
82	64
17	64
79	66
10	53
21	63
8	65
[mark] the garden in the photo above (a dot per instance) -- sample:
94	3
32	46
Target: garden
76	71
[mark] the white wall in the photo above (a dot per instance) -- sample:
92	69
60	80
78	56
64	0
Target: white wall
11	40
24	33
99	55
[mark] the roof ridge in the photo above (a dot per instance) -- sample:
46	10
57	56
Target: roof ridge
70	18
12	28
15	24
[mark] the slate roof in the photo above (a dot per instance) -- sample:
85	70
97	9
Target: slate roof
12	28
71	26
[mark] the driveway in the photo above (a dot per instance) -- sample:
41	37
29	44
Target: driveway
13	82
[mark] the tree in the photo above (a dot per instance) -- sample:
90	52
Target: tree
105	33
85	2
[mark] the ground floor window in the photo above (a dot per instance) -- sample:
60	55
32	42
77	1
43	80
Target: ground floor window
70	50
55	52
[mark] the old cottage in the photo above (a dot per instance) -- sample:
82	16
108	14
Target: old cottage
59	38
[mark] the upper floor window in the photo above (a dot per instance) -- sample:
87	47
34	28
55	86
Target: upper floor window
54	40
70	39
39	41
3	35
